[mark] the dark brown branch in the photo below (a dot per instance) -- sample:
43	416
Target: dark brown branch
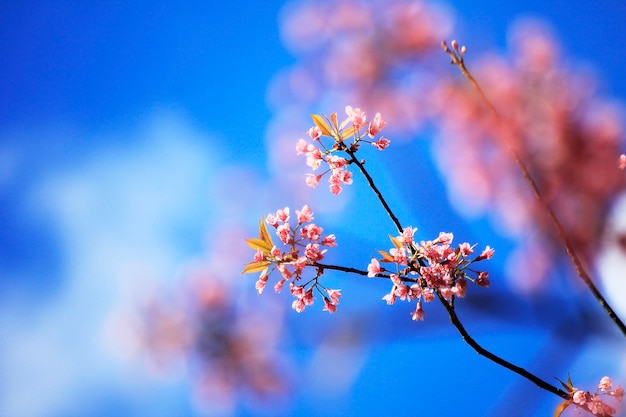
456	322
454	319
370	181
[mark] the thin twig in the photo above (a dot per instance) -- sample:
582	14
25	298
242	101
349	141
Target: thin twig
457	59
370	181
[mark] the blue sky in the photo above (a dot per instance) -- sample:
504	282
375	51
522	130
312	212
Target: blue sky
129	132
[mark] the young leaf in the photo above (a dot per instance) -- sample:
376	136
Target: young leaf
256	243
564	385
344	123
264	234
255	267
386	256
396	242
561	407
333	118
349	132
319	122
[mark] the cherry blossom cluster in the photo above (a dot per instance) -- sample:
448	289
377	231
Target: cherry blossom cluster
228	350
559	122
593	402
430	267
567	134
386	38
350	130
303	245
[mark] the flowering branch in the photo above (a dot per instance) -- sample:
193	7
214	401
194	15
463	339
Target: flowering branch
418	271
456	54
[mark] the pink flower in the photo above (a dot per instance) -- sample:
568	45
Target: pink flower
345	176
271	220
308	297
312	251
444	238
283	234
460	288
283	215
597	407
407	235
618	393
311	231
357	116
483	279
312	180
329	306
334	295
336	162
304	216
381	144
296	290
487	254
418	314
279	285
465	249
622	161
428	295
606	383
376	125
303	147
338	177
390	298
335	188
298	305
286	274
329	241
402	291
261	283
314	158
579	397
373	268
315	133
446	292
299	264
399	255
416	291
259	256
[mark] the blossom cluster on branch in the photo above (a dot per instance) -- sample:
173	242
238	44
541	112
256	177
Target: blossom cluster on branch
349	129
592	402
302	246
421	272
552	111
430	266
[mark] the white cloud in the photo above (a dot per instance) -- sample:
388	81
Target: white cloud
612	260
124	217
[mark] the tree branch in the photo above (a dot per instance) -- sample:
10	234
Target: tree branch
454	319
457	59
